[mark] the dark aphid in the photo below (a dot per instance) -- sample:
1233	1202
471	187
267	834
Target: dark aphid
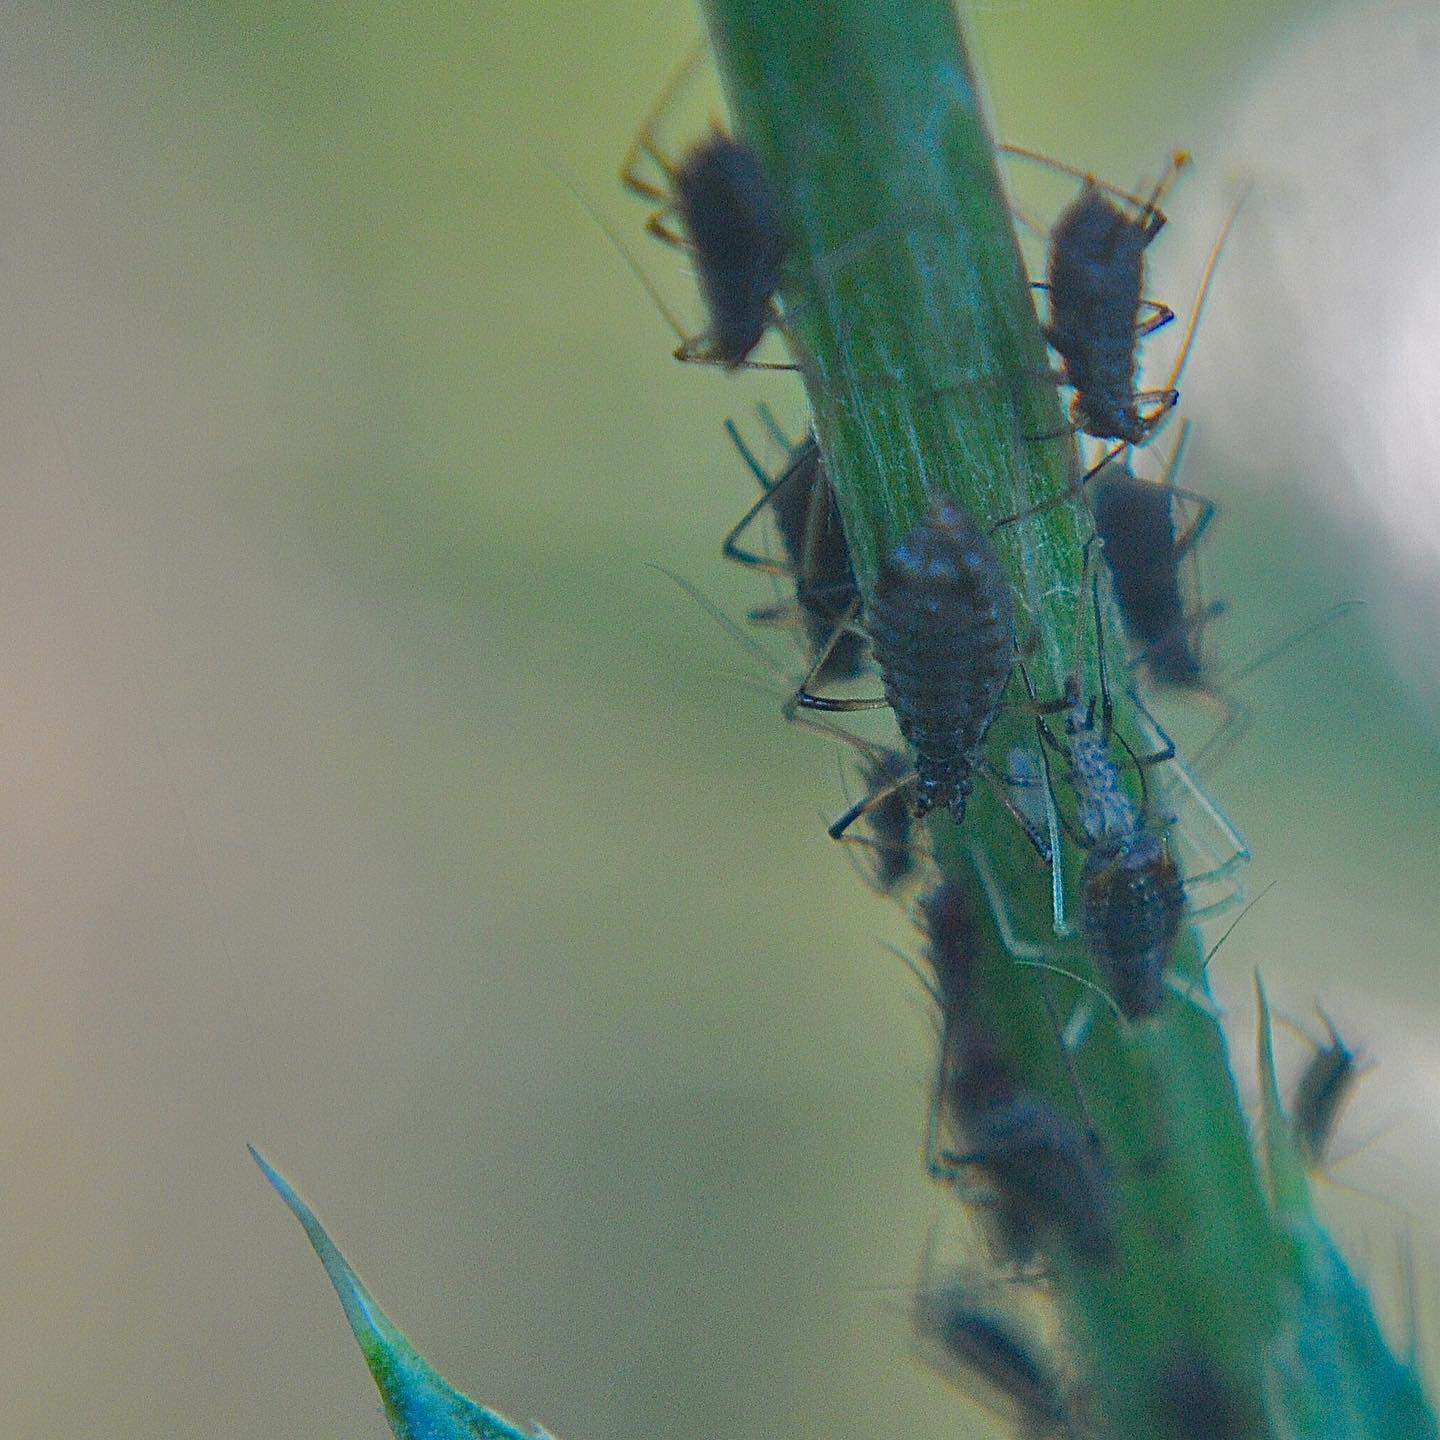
1095	278
817	557
1041	1163
982	1354
730	223
1320	1094
1144	550
1133	902
942	631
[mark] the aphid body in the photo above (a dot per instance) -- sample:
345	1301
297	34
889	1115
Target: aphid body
731	223
1144	550
976	1349
891	822
1049	1176
737	240
817	556
1132	893
1135	520
942	629
1096	276
1320	1093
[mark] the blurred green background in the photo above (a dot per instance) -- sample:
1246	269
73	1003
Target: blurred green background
369	798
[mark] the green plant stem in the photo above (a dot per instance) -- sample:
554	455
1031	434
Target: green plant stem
909	312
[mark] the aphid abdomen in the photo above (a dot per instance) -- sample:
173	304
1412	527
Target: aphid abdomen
1134	900
1320	1094
733	221
1135	521
942	628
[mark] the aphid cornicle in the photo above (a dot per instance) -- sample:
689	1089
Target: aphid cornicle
942	630
817	557
974	1348
731	224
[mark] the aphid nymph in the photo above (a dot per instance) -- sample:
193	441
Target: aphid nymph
1095	278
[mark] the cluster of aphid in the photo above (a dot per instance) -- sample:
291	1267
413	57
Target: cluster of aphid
939	628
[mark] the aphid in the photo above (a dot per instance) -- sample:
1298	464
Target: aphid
730	223
1095	281
1143	550
817	557
1320	1094
942	631
891	823
1041	1163
1048	1176
1132	894
1094	308
976	1349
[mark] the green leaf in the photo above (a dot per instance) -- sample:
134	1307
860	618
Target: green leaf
419	1403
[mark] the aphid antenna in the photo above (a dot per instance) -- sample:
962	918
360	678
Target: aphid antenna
1178	160
804	722
646	142
1230	928
1168	395
1017	948
1235	718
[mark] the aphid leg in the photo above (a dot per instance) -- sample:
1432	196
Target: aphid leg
863	807
659	226
1069	493
776	430
1160	317
1178	161
731	548
804	698
645	144
1015	947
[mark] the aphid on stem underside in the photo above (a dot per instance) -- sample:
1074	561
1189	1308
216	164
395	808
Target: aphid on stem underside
1095	282
1132	892
817	557
730	223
